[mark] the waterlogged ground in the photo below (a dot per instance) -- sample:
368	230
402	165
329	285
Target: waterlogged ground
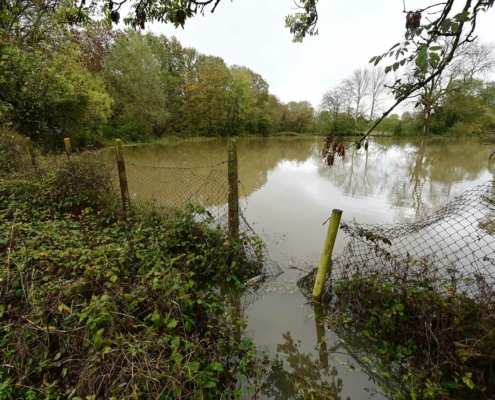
289	193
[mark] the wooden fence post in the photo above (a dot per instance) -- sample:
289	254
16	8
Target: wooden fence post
67	147
326	256
124	188
31	151
233	200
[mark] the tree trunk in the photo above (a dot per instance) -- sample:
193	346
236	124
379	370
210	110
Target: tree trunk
426	123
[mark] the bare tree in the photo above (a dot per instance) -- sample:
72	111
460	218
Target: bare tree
335	101
357	86
376	90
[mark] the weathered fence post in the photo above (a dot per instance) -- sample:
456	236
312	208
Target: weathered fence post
326	256
233	199
320	334
31	151
67	147
124	189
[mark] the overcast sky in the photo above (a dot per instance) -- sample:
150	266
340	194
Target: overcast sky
253	33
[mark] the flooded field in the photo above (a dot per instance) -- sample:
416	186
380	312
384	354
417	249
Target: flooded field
288	193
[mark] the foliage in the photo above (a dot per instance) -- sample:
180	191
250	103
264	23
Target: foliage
133	76
93	306
297	375
206	104
444	343
46	93
13	152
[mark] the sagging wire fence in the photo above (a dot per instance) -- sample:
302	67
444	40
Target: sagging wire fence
210	193
171	189
423	290
452	251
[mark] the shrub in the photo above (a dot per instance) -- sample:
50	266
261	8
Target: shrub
95	307
13	152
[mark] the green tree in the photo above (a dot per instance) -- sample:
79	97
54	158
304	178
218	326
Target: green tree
133	76
248	98
206	96
298	117
467	109
240	101
173	60
48	93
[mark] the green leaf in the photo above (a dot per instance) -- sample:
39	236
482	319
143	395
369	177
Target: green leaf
450	385
175	342
216	366
470	384
193	366
209	385
172	324
461	17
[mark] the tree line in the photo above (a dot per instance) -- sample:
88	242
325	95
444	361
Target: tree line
95	83
460	100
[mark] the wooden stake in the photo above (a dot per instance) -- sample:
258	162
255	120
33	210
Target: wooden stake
67	147
124	188
233	199
326	257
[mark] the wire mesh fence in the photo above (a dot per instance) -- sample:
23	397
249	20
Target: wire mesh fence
425	292
452	250
166	190
172	189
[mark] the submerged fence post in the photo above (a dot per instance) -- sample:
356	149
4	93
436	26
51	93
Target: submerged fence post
67	147
326	256
233	199
29	144
124	189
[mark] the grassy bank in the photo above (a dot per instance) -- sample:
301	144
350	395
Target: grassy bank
92	306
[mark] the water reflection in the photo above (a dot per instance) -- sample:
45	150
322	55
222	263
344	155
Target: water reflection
290	192
408	177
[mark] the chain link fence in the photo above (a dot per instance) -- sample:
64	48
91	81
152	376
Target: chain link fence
452	250
172	189
425	293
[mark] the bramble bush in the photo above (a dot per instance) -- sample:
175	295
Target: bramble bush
92	306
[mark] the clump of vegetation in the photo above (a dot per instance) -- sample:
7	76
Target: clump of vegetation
13	153
95	307
443	342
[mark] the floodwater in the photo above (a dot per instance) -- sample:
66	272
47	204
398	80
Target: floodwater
289	193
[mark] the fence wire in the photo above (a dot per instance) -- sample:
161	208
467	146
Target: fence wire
452	250
173	189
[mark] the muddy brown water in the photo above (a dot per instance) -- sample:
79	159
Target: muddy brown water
289	192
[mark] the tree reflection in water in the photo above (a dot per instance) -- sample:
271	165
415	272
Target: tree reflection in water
305	377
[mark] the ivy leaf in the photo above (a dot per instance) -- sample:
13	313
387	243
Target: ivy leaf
215	366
